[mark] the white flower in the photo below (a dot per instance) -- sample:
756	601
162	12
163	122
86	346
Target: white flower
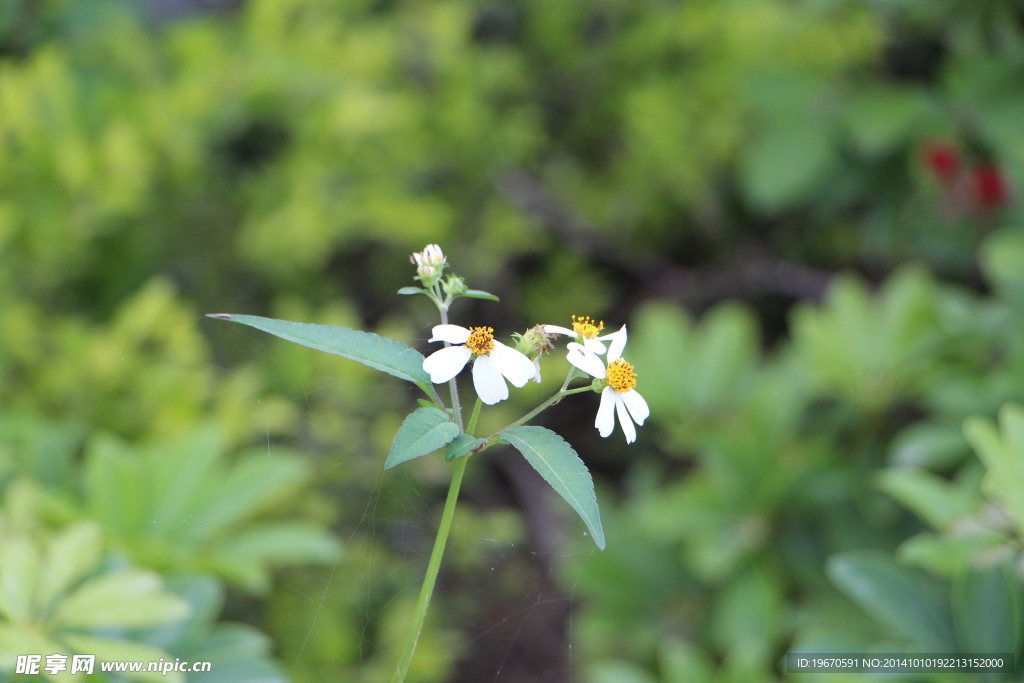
619	396
493	359
429	262
585	331
430	256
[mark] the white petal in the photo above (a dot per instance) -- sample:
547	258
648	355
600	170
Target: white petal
453	334
444	364
627	424
605	421
516	366
555	329
618	343
536	365
489	384
637	406
585	360
593	346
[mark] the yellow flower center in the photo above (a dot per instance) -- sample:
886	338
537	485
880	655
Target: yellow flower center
620	376
481	340
586	328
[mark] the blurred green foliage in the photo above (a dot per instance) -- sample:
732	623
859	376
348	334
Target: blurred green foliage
805	481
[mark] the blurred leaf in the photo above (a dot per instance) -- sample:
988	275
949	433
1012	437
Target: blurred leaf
411	290
423	431
1002	452
683	662
130	598
784	163
987	609
910	604
618	672
379	353
70	557
926	445
933	499
107	650
558	463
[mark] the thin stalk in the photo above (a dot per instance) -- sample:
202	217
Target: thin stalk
473	418
431	578
452	386
554	399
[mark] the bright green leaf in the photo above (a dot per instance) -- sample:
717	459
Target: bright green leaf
558	463
69	558
423	431
379	353
131	598
479	294
460	446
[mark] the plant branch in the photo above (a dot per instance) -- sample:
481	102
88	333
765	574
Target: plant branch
427	590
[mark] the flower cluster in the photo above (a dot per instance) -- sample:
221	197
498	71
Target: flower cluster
494	362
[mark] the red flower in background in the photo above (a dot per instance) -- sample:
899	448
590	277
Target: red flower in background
943	159
988	186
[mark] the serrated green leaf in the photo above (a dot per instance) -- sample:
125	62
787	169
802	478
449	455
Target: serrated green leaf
411	290
372	350
908	602
131	598
423	431
460	446
558	463
479	294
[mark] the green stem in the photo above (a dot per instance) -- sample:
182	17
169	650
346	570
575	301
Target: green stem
452	386
554	399
431	578
473	418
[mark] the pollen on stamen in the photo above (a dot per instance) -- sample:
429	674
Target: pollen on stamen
586	327
481	340
620	376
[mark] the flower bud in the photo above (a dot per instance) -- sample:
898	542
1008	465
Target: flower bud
429	264
534	342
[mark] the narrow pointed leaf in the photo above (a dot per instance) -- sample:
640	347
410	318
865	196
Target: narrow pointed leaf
423	431
372	350
411	290
479	294
558	463
460	446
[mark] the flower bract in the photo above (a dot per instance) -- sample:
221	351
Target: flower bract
493	362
